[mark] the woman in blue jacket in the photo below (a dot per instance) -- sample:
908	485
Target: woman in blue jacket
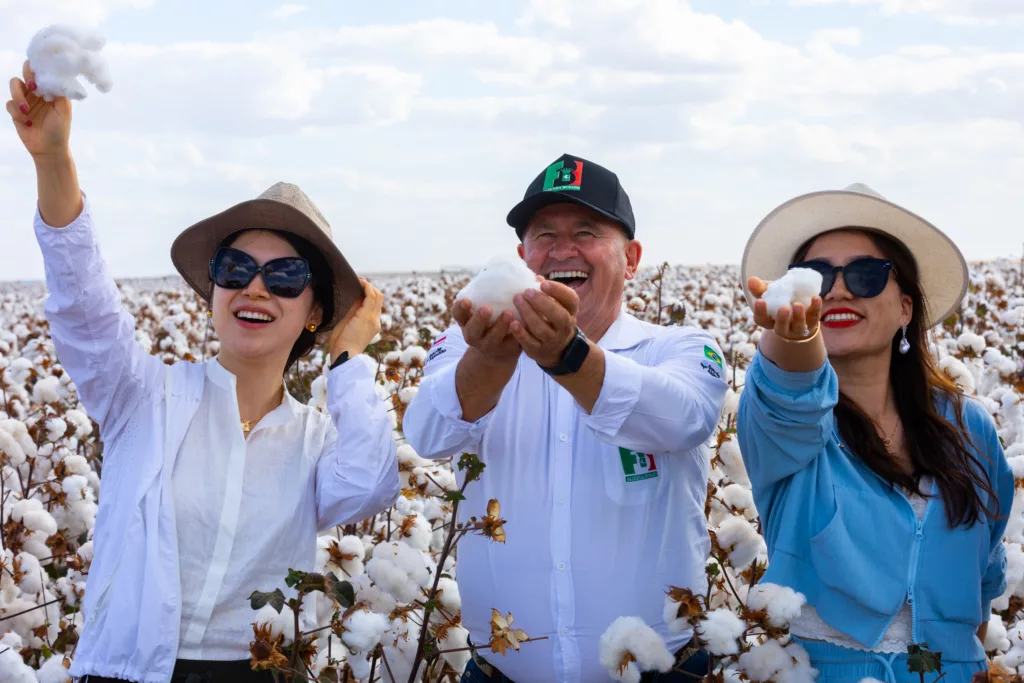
883	491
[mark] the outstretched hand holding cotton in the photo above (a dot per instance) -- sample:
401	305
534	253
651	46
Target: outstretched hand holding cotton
798	285
59	54
497	284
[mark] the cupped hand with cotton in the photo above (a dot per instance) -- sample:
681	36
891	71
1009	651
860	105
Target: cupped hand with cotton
794	322
44	127
547	321
485	308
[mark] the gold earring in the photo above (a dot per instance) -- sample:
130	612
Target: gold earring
209	313
311	327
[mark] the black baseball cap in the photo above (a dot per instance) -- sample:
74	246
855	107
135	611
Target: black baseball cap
578	181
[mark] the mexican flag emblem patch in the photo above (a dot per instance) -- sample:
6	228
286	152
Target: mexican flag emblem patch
637	466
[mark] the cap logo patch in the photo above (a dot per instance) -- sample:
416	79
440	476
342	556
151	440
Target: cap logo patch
559	178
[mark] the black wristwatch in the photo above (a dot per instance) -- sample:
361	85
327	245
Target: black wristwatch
341	359
572	358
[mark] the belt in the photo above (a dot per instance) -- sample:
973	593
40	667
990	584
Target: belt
682	656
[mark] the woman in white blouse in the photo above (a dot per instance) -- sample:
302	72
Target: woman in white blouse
215	480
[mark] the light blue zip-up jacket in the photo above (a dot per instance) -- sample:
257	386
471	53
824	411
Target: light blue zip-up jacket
850	542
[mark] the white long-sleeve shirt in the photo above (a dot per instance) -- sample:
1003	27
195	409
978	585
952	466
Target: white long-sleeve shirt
133	601
605	510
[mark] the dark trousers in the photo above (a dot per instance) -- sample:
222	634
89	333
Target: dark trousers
193	671
693	669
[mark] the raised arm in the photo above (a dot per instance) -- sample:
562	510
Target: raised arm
93	334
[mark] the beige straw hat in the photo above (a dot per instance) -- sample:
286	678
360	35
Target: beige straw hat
283	207
941	266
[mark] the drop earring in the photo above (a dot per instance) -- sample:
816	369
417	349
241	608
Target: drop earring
904	344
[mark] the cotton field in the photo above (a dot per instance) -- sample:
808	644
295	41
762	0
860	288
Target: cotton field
380	581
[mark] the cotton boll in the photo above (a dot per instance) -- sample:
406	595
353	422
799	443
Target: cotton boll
360	665
406	394
41	521
81	422
53	671
398	569
448	596
764	661
283	622
721	629
630	635
413	355
968	341
318	392
407	457
32	579
455	638
732	462
995	637
76	464
374	598
363	629
497	284
741	498
797	285
13	668
46	390
418	532
740	540
782	603
957	372
55	428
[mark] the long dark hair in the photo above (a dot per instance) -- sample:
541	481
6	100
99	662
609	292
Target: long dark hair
322	284
937	447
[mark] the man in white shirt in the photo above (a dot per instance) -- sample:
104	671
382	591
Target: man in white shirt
593	428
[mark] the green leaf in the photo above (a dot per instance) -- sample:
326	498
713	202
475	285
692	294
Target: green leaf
453	496
472	465
712	569
260	599
341	591
922	660
294	578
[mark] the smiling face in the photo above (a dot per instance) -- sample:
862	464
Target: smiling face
580	248
853	326
253	324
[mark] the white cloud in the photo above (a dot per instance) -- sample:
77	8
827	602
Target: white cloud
960	12
415	138
288	10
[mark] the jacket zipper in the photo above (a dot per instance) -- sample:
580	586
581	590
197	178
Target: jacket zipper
915	551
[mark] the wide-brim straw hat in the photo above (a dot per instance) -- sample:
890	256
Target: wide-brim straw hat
283	207
941	267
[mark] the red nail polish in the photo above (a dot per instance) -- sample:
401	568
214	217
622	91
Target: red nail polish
29	123
23	107
32	85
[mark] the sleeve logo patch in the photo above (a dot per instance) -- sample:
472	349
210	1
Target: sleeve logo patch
436	352
442	338
710	369
713	356
637	466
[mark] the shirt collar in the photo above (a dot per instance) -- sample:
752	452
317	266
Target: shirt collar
226	380
626	332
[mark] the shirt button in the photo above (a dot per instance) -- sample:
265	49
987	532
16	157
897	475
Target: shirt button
561	500
561	566
564	631
563	437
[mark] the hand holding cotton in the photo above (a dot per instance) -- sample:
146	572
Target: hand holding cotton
798	285
59	54
497	284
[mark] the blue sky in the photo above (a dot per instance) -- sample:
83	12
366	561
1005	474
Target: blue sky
415	126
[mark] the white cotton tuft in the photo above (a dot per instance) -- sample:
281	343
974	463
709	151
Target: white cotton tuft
631	635
740	540
456	638
797	285
763	662
732	461
996	639
741	498
497	284
406	394
364	629
781	603
398	569
282	622
720	630
59	54
448	596
81	422
46	390
55	429
12	667
53	671
413	354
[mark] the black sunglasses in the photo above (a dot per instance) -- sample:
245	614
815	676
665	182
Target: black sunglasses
285	277
864	277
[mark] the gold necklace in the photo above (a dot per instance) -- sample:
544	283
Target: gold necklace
246	426
888	441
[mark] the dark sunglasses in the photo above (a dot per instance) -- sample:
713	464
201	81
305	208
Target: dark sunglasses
864	277
285	277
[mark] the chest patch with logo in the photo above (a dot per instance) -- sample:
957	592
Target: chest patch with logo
637	466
